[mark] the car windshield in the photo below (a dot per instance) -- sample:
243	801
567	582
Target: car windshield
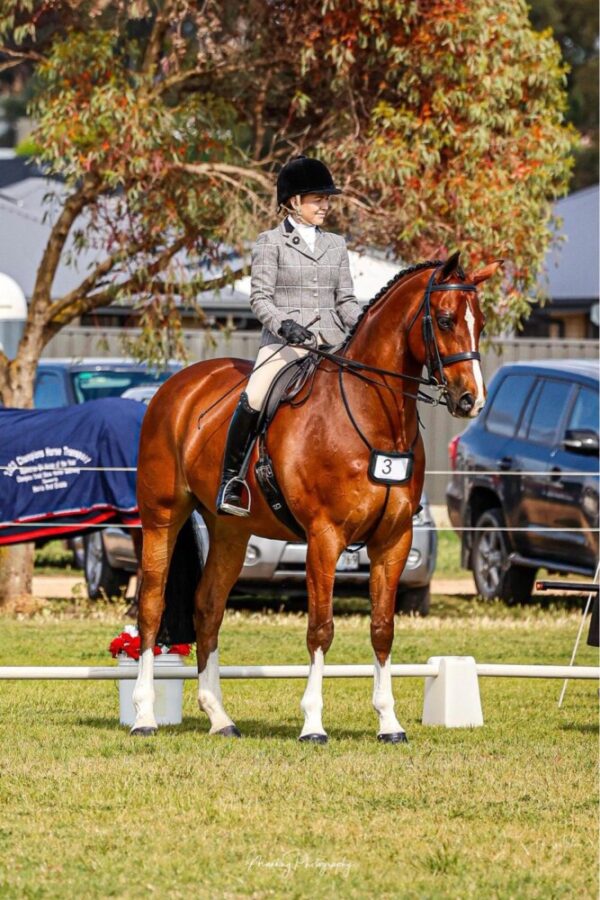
110	383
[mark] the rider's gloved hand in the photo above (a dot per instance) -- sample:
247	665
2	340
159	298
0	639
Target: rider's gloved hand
294	333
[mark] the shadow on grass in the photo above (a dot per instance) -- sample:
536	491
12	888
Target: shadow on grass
250	728
581	727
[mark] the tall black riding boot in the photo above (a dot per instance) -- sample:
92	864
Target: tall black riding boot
241	434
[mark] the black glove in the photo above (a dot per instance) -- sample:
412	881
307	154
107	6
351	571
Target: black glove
294	333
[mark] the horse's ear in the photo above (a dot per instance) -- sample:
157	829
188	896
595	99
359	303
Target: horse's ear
449	267
487	271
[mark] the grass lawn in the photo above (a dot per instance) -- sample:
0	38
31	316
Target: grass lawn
507	810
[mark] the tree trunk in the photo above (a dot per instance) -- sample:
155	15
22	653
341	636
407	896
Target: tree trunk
16	561
16	572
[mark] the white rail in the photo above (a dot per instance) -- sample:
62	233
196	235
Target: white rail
118	673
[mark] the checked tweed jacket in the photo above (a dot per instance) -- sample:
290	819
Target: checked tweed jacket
290	281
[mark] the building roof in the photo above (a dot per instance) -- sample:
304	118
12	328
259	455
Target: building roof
571	268
17	168
25	223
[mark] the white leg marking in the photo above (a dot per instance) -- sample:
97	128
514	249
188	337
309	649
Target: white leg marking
143	693
210	699
477	374
383	699
312	701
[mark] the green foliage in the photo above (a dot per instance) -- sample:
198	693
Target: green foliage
574	25
444	122
467	141
53	555
28	147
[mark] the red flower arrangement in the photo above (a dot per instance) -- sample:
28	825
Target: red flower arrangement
128	643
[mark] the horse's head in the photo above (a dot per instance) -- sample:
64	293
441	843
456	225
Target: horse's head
444	334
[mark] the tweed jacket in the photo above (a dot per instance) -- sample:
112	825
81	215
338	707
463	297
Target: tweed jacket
290	281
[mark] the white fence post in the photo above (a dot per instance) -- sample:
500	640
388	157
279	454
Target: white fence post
452	696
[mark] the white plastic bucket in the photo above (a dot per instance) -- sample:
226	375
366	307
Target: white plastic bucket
168	701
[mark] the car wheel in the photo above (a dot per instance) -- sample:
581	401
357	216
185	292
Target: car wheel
413	601
101	579
494	577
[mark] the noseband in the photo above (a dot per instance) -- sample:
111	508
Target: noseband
434	361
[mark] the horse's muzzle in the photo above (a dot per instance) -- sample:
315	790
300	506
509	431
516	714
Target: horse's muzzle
463	407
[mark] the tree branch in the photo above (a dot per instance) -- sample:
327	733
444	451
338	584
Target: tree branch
153	47
56	242
222	170
76	303
83	289
214	71
20	55
83	305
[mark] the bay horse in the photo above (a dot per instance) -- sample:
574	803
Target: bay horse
428	315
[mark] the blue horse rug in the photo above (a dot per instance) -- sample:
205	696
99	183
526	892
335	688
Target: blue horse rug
63	469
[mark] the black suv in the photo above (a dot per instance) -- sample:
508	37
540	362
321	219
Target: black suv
540	426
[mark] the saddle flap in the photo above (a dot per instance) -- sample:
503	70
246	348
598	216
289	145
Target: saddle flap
286	385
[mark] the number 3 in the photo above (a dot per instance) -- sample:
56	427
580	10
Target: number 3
387	466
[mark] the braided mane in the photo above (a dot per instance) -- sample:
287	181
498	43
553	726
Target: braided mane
428	264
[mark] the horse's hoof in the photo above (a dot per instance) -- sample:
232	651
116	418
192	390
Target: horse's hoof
229	731
313	738
396	737
144	731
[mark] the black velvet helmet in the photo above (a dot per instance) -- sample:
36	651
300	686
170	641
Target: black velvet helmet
303	175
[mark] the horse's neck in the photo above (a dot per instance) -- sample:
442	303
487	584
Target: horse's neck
381	340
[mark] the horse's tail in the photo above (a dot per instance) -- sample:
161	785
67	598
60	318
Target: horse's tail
177	625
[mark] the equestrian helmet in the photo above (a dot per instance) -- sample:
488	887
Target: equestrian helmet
304	175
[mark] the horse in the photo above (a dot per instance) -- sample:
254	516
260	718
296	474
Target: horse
362	399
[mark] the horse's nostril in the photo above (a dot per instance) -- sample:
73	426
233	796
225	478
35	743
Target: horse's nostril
466	403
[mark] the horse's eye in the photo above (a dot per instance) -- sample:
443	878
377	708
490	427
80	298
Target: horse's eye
446	323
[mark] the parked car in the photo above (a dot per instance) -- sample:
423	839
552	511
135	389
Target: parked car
62	382
529	464
272	565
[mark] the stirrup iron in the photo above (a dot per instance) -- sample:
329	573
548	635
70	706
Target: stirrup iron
231	510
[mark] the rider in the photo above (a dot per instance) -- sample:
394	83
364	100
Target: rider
301	289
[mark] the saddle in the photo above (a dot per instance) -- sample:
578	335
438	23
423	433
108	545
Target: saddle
285	388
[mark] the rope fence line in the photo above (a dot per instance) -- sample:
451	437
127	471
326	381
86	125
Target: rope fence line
30	470
542	529
495	473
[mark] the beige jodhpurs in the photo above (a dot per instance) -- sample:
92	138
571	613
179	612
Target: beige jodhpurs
262	378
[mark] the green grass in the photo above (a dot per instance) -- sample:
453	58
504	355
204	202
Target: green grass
448	559
507	810
54	558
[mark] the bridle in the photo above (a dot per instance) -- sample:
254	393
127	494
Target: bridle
434	361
